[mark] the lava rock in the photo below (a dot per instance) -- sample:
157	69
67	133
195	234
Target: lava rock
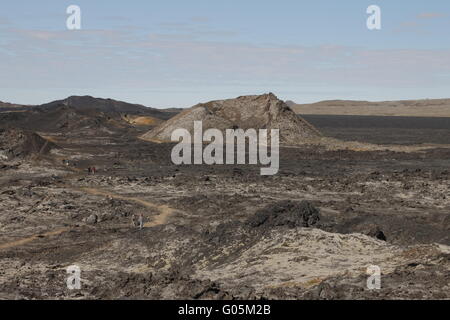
286	213
374	231
92	219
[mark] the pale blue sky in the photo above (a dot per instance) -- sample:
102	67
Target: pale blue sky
177	53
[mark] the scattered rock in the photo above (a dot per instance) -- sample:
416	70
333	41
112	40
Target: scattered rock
92	219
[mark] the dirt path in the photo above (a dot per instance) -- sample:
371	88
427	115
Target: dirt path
165	211
32	238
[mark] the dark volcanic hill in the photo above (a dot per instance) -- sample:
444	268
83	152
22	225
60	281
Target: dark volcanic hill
84	115
258	112
90	104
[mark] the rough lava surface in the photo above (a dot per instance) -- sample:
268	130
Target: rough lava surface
220	231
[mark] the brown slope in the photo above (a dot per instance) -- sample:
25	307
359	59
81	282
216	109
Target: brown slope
413	108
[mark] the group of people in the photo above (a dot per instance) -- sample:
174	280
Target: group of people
92	170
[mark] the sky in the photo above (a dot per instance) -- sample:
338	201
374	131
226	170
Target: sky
176	53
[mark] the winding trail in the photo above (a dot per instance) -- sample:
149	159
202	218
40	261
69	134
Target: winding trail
32	238
165	211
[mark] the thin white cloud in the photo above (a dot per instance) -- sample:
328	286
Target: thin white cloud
419	23
430	15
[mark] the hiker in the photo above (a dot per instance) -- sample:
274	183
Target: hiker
137	221
141	221
93	170
89	170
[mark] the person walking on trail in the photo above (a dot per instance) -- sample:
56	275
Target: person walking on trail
93	170
89	170
137	221
141	221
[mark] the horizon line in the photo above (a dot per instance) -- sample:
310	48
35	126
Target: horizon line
287	100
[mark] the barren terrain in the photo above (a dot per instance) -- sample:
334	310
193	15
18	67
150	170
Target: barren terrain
405	108
223	231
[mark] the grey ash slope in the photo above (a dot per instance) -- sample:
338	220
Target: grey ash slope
17	143
257	111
